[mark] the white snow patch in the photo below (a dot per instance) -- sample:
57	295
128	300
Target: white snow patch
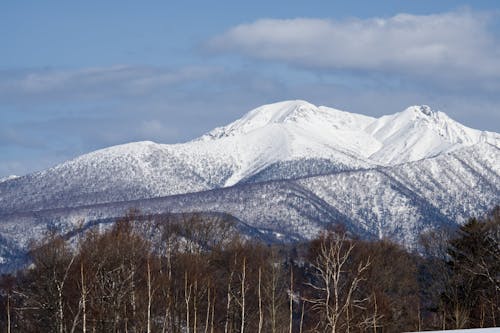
4	179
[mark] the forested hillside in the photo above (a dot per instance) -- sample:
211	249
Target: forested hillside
156	274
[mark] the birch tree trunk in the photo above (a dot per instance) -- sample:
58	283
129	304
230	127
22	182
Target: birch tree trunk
274	283
187	298
149	297
84	299
195	307
60	309
228	303
243	291
207	316
60	287
261	317
213	314
301	317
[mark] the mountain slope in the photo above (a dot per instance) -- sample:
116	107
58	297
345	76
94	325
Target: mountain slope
284	140
285	171
399	202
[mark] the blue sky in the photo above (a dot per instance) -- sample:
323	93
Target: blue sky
79	76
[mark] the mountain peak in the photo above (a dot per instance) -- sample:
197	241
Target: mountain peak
275	113
280	112
292	114
421	110
419	132
415	133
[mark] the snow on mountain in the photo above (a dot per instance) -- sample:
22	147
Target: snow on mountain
282	140
401	201
415	133
305	122
4	179
288	168
419	132
398	202
125	172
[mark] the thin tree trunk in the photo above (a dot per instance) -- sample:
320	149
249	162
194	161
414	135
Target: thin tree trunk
348	316
228	304
195	307
61	313
213	314
165	318
274	281
8	312
84	299
207	317
242	329
149	297
261	317
187	297
291	301
133	296
75	320
301	317
168	314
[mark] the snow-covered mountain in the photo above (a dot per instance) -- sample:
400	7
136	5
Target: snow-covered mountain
278	141
288	168
419	132
4	179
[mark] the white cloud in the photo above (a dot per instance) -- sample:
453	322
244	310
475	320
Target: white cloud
97	82
450	45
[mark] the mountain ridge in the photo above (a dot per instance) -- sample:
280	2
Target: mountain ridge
339	187
287	169
287	132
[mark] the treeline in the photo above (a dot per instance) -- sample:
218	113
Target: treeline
156	274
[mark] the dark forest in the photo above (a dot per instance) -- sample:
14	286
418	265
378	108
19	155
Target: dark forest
197	274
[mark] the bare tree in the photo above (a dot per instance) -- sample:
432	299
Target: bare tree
275	288
335	289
